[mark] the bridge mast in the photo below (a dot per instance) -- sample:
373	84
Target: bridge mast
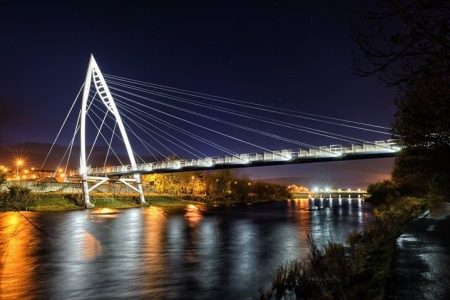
94	74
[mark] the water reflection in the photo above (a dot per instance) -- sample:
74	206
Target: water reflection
226	253
18	260
193	215
90	247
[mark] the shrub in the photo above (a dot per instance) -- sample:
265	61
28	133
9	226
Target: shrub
380	192
18	193
15	199
2	178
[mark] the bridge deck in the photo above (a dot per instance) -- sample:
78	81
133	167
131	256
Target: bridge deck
379	149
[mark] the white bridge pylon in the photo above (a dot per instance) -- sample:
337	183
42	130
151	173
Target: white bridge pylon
95	75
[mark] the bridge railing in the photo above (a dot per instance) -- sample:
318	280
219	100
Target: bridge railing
278	155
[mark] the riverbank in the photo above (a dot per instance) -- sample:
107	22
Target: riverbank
54	202
422	256
358	269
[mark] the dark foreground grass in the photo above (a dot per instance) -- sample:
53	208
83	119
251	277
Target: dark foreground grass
358	270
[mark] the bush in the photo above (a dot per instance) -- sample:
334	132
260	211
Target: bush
2	178
325	274
18	193
15	199
380	192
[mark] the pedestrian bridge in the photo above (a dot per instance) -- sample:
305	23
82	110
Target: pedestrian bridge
120	118
378	149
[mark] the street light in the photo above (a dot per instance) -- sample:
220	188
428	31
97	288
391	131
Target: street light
19	163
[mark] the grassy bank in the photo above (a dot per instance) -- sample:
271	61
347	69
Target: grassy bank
16	198
357	270
22	200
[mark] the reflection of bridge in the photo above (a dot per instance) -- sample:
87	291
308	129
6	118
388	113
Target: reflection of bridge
165	115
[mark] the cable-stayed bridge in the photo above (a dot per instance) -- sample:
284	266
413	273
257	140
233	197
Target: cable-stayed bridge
379	149
179	129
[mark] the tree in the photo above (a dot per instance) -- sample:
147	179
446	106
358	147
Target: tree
422	119
381	191
408	46
2	178
218	183
403	41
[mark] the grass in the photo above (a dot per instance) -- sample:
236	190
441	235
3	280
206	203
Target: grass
51	203
63	202
18	198
112	201
171	203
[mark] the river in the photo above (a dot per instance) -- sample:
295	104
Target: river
146	253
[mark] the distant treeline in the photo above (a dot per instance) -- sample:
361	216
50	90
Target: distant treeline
216	186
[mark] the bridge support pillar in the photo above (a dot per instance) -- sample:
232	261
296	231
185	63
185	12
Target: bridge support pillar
140	189
87	199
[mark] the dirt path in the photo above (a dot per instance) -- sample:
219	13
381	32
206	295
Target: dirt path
421	267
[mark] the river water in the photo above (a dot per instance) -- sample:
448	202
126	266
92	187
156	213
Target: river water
146	253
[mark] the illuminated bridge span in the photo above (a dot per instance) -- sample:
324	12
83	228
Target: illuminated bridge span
176	130
378	149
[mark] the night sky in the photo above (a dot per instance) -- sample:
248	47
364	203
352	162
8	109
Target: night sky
296	55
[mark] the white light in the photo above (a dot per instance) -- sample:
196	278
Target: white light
315	189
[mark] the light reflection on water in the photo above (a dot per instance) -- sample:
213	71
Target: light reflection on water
225	253
17	259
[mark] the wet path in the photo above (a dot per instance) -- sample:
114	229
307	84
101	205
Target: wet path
422	259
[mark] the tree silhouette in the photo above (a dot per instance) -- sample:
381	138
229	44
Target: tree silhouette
407	44
403	41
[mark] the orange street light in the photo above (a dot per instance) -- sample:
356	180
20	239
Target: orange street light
19	162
